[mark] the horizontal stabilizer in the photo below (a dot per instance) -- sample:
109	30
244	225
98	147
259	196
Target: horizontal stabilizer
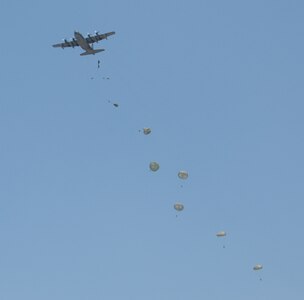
92	52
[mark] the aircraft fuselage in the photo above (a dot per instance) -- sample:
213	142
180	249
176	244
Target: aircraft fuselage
82	42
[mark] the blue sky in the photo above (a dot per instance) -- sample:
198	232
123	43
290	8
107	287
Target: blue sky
221	85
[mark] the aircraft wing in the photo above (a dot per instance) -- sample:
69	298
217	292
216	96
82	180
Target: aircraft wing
66	43
98	37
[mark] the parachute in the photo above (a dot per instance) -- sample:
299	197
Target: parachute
147	131
221	234
154	166
178	206
183	175
257	267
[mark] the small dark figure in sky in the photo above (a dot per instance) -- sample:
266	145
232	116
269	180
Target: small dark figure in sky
114	104
98	64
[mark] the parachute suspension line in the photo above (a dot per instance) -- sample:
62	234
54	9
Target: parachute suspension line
258	267
222	234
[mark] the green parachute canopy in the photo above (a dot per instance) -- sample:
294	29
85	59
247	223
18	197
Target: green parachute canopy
147	130
221	234
258	267
178	206
154	166
183	175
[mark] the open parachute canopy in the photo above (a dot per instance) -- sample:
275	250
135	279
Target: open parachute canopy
178	206
154	166
183	175
147	130
221	234
257	267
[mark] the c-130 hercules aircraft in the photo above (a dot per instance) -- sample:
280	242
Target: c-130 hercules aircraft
86	43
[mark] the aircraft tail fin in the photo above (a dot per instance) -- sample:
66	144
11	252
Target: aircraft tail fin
91	52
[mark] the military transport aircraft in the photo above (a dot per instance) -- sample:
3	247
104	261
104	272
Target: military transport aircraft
86	43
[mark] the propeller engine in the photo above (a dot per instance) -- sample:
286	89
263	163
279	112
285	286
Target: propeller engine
91	40
96	33
73	42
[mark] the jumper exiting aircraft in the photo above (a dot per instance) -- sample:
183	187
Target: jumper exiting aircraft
86	43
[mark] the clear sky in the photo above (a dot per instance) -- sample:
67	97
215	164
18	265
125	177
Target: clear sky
221	85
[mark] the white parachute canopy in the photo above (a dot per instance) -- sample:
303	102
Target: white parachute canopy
147	130
154	166
221	234
258	267
178	206
183	175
